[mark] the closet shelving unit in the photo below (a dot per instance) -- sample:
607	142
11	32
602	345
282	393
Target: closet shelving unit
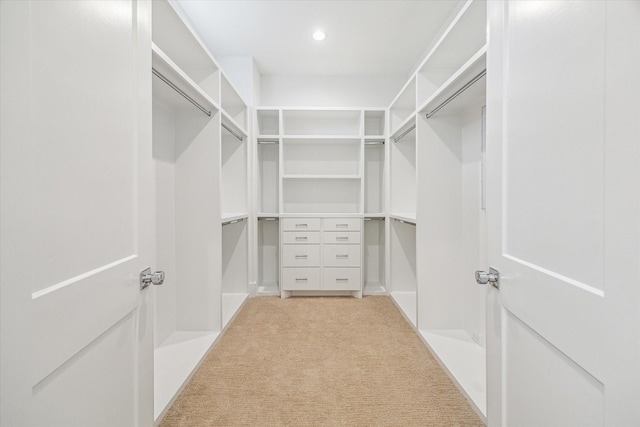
193	104
234	170
267	200
374	202
441	222
323	163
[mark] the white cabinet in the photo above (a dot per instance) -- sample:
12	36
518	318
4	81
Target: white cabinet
321	256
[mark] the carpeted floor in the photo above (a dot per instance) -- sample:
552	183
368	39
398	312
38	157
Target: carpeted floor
320	362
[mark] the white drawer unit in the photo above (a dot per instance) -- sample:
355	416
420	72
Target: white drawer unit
300	279
341	279
341	224
341	237
301	237
300	224
301	255
341	255
321	256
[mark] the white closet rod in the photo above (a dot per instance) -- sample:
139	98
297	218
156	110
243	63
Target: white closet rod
237	135
405	133
458	92
180	91
268	141
374	142
233	221
267	218
404	222
374	219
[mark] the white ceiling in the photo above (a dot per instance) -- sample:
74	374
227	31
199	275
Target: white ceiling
375	37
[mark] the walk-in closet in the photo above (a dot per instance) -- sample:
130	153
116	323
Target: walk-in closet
347	201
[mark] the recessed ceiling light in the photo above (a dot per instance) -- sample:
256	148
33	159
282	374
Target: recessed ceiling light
319	35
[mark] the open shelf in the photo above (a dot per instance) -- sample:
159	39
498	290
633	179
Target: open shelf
465	36
169	96
235	278
174	36
374	123
374	184
321	122
403	171
403	106
268	122
374	259
403	268
232	103
464	359
268	257
234	173
268	170
322	157
321	195
458	93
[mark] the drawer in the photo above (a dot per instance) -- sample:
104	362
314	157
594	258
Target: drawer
341	224
301	237
341	255
342	237
341	279
301	255
300	279
300	224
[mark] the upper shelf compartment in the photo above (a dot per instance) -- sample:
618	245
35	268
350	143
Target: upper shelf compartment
374	123
173	36
321	122
463	40
403	106
175	89
232	104
268	122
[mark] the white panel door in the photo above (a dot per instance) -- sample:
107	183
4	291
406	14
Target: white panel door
76	214
563	121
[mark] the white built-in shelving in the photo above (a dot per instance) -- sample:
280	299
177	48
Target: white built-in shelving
200	153
320	162
435	210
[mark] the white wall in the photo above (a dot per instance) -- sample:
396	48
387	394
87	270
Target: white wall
330	91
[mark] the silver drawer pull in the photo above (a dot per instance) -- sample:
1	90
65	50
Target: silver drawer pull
342	256
342	238
301	256
301	237
338	279
302	225
342	225
301	279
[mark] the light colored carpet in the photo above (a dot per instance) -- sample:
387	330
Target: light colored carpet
320	362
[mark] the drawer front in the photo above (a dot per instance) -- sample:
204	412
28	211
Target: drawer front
342	237
341	224
341	279
300	224
341	255
301	237
301	255
300	279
